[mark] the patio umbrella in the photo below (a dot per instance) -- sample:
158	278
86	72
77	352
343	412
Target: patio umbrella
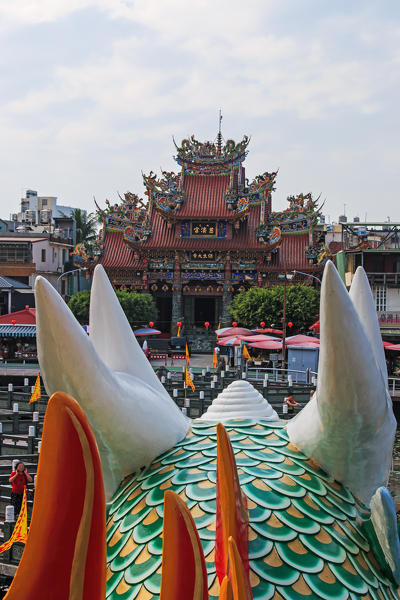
269	330
303	345
387	345
146	331
257	338
230	331
315	327
299	340
393	347
267	345
229	341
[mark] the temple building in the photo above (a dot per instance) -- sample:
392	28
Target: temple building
203	234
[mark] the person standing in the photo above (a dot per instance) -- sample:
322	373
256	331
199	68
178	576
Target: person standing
18	478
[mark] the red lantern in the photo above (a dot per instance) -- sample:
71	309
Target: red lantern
178	323
290	324
262	324
13	322
206	324
27	307
234	324
151	324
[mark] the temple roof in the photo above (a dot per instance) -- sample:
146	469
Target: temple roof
117	255
205	197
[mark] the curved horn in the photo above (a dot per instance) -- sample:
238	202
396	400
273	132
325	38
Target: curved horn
348	427
132	419
361	295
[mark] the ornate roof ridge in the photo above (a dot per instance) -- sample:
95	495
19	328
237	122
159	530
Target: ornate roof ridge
205	153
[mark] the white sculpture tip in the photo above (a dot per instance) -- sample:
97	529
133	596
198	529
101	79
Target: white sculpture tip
239	400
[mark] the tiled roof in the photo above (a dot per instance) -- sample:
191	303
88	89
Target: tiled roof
27	316
245	238
8	283
290	254
205	197
117	254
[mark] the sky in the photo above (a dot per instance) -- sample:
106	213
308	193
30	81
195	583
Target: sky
92	92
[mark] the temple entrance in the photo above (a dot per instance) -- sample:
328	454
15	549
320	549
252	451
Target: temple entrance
164	307
204	310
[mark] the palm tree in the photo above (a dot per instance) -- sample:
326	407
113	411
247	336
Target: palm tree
85	226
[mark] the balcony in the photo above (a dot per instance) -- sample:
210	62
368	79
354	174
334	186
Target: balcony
385	279
389	320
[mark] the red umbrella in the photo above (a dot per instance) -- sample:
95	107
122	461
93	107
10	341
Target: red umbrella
267	345
303	345
299	340
269	330
229	341
393	347
315	327
231	331
387	345
257	338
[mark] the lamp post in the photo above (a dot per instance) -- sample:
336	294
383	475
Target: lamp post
307	275
285	276
68	273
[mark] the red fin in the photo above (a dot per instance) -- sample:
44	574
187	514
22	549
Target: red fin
240	585
232	516
184	574
65	555
225	592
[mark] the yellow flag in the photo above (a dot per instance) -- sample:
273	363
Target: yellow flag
36	394
187	354
215	359
245	352
188	380
20	533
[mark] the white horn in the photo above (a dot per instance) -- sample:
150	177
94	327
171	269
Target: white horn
348	427
112	336
361	295
132	421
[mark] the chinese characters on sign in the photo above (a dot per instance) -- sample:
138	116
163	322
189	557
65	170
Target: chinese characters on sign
204	229
202	255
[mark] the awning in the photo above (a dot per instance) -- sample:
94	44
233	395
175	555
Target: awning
17	331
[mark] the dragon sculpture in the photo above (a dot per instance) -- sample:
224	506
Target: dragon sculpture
231	506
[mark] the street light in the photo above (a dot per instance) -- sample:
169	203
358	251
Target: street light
68	273
307	275
285	277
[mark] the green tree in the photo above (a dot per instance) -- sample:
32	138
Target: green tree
266	304
85	226
138	308
79	305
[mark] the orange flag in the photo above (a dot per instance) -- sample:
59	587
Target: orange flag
187	354
245	352
188	380
36	394
20	533
215	359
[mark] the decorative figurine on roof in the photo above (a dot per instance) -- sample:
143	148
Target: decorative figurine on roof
193	150
319	253
302	214
165	193
235	505
131	217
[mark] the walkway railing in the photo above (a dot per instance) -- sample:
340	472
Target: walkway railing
280	375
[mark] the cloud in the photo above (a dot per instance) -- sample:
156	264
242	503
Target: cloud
170	66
